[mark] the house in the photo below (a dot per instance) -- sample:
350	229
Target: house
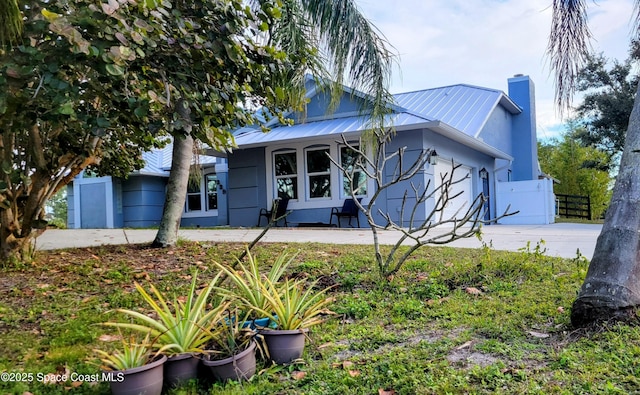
137	201
489	133
492	135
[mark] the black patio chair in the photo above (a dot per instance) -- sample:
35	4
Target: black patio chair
280	205
349	210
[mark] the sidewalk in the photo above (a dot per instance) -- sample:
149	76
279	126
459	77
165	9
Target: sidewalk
563	239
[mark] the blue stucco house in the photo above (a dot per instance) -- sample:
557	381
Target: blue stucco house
137	201
489	133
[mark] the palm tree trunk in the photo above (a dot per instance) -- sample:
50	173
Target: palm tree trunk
611	289
176	192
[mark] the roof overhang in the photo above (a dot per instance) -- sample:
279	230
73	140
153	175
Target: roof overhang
354	126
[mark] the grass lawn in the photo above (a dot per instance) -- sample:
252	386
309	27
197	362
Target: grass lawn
452	321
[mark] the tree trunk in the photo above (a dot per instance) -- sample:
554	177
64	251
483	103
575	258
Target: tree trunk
176	192
611	289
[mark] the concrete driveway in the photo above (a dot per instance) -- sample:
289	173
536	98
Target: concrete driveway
562	239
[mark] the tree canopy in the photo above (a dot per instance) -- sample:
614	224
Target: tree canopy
579	170
95	84
609	91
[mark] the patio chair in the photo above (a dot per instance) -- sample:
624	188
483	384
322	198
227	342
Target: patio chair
348	210
280	205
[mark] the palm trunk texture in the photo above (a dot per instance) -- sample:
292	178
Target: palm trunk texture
611	289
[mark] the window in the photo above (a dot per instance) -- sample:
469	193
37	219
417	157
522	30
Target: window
319	173
286	171
203	195
348	158
194	201
211	182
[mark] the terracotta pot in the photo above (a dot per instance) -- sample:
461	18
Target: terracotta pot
241	366
284	346
144	380
179	369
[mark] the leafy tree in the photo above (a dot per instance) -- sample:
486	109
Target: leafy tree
94	84
611	289
580	170
608	101
330	39
57	207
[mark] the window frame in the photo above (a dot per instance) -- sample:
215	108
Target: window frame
308	174
303	203
204	198
343	193
295	175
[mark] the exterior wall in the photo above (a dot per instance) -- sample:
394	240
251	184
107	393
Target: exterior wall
391	203
497	133
473	160
524	141
143	201
317	107
70	207
533	199
246	186
94	202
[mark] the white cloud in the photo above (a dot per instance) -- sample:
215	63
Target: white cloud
484	42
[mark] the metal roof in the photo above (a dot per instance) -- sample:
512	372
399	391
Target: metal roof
157	162
458	112
464	107
307	130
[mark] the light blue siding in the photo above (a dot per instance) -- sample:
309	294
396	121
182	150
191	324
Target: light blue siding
524	143
70	207
143	201
247	186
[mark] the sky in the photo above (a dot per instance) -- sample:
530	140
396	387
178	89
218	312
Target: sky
484	42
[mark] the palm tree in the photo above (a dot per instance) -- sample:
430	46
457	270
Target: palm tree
330	39
611	289
10	22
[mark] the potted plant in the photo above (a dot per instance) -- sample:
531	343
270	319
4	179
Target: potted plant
294	308
232	356
181	328
135	369
247	284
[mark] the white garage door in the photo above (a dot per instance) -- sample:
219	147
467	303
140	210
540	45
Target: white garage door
463	187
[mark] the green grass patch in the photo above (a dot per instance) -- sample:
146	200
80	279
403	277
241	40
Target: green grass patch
452	321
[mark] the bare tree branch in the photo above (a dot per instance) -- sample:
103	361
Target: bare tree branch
418	231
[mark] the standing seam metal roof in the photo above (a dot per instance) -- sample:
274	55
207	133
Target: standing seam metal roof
463	107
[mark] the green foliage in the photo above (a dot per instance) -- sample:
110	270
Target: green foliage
58	206
132	355
572	165
248	283
609	93
424	334
292	304
93	85
183	327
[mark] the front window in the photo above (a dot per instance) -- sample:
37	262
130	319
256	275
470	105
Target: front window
319	173
202	195
211	182
194	201
286	171
358	183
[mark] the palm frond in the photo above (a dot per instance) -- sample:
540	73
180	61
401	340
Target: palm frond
568	47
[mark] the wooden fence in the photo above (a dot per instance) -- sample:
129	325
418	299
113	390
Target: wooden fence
573	206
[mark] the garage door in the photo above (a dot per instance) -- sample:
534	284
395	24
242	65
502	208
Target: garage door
462	202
